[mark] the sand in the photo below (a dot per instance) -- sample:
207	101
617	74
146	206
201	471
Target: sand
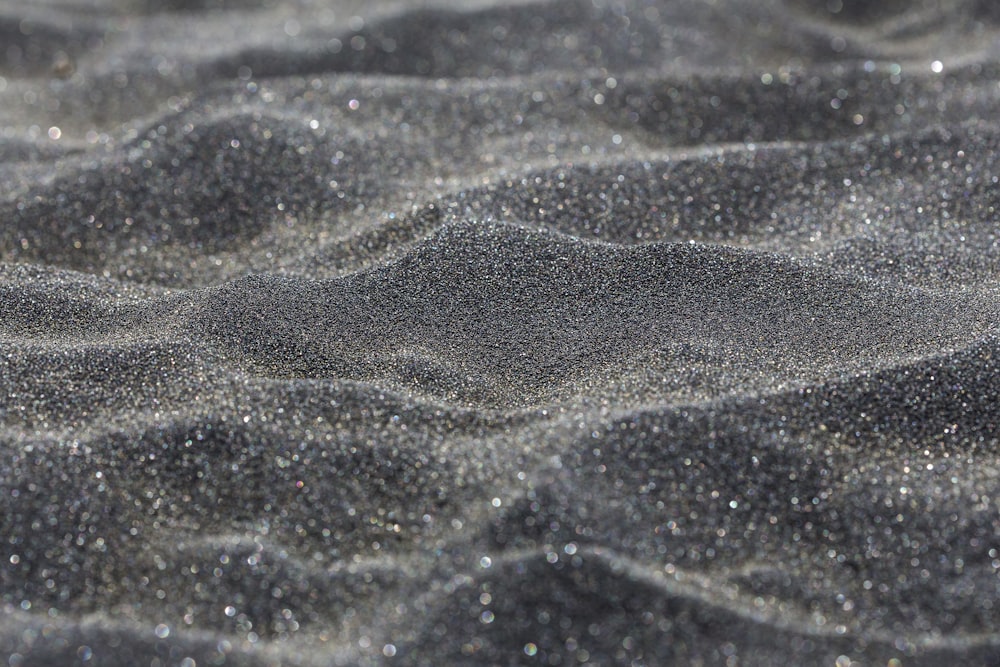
526	333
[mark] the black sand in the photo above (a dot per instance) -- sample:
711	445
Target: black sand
568	332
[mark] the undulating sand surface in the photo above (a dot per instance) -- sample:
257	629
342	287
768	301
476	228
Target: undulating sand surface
610	332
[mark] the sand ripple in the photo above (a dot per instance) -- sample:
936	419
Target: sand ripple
537	332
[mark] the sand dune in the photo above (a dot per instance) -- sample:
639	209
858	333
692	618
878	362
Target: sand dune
560	332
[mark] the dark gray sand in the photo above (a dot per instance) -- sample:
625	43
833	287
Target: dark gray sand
530	333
